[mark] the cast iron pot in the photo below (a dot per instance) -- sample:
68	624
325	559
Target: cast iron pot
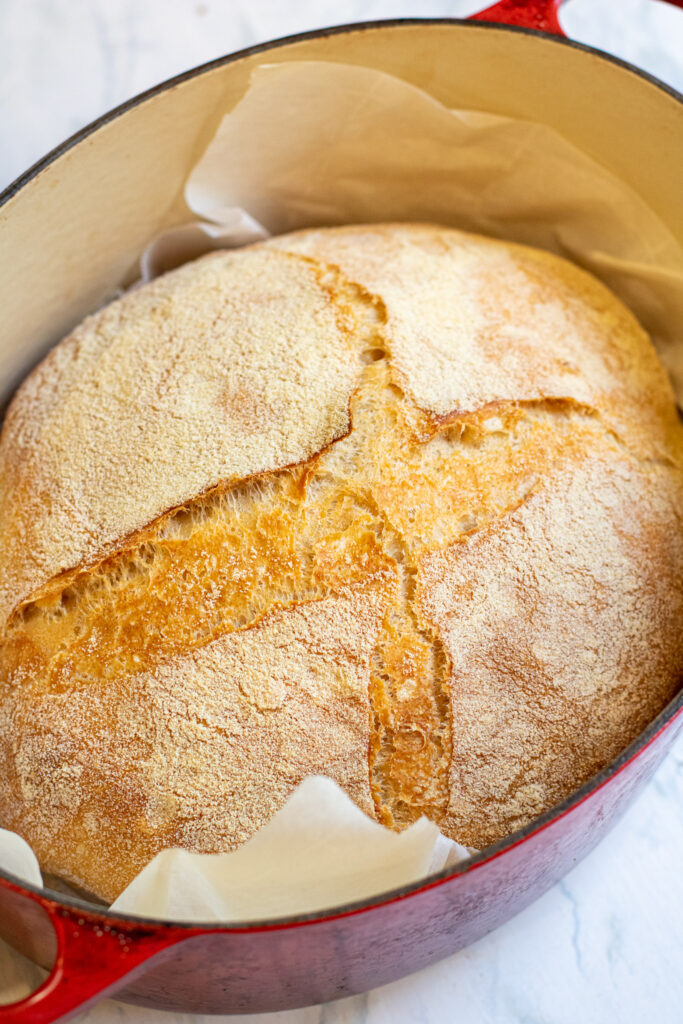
71	230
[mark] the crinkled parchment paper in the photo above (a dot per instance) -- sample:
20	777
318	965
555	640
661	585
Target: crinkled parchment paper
319	143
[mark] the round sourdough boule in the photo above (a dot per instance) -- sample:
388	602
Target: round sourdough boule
394	504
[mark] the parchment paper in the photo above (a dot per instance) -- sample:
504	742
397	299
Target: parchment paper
312	144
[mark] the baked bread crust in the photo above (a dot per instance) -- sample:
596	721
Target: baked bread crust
392	503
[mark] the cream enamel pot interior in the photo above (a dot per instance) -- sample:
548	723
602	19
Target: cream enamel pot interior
71	231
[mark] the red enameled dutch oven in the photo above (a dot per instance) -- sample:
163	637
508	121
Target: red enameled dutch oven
94	203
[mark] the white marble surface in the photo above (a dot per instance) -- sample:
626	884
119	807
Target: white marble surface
607	943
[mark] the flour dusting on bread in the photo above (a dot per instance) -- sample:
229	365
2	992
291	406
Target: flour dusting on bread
394	504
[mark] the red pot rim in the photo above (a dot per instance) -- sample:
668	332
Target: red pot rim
663	721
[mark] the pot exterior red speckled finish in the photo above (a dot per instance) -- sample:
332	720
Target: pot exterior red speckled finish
623	118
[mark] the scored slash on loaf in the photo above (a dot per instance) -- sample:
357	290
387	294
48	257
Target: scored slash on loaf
394	504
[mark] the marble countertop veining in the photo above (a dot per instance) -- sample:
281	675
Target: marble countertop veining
606	944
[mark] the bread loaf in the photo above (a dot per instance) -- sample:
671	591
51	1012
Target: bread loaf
394	504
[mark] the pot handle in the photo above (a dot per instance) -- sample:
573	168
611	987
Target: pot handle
93	961
537	14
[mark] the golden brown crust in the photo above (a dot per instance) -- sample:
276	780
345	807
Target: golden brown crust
392	503
165	758
562	620
234	365
473	322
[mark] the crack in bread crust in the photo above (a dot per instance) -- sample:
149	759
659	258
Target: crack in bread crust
142	637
